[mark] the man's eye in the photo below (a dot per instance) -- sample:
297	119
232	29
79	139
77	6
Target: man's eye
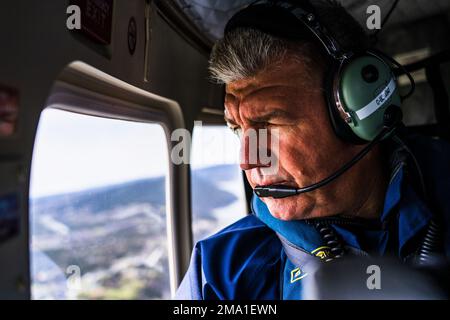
235	129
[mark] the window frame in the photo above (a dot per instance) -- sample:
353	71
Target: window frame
246	188
84	89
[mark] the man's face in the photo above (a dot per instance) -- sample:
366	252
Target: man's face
289	98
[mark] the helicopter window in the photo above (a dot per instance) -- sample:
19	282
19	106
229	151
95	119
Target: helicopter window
218	197
97	209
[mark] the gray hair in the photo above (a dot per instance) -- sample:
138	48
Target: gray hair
244	52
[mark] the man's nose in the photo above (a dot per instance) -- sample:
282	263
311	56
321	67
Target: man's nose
253	146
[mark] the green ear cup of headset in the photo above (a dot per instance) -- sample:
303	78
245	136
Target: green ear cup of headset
366	89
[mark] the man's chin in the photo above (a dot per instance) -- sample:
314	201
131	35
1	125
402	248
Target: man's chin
284	209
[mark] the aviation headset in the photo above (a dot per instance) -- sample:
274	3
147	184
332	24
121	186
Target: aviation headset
360	88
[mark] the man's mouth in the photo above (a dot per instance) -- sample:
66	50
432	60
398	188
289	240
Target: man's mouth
284	183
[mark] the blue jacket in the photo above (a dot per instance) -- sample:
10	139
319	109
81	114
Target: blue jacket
261	257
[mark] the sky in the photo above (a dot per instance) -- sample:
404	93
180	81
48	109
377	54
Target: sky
76	152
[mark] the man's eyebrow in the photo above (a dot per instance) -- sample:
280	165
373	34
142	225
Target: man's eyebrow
274	114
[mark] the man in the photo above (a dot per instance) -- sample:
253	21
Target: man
275	73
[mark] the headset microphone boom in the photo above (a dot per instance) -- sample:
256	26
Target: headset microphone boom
392	119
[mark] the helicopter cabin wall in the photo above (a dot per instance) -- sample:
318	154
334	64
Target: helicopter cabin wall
33	56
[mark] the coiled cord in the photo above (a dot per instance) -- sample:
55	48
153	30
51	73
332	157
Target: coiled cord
329	236
431	244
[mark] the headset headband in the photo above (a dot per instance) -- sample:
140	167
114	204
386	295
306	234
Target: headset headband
275	21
